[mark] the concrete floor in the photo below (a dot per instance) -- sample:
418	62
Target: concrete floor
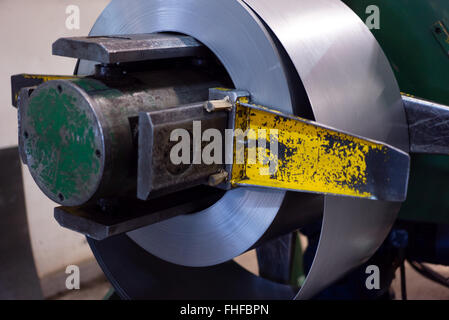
94	291
418	287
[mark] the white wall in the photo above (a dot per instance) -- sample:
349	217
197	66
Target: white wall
27	30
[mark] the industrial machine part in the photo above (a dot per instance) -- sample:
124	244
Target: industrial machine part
87	123
95	141
423	72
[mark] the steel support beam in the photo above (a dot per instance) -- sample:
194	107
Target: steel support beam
428	125
129	48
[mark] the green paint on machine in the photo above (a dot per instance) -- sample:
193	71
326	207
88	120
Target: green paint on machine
60	143
410	38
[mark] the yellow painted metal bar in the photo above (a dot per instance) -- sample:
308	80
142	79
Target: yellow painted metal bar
281	151
46	77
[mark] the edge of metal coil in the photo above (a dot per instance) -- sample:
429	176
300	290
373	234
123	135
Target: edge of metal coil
345	74
351	87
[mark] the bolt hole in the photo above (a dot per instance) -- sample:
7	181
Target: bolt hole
98	153
438	30
60	197
25	134
59	89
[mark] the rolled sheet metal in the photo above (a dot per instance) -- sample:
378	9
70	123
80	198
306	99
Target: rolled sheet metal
349	84
237	37
351	87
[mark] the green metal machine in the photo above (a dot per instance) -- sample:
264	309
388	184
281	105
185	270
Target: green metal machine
414	35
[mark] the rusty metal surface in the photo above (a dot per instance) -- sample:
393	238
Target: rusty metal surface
157	174
79	136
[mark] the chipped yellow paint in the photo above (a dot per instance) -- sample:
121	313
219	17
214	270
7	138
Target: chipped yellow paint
46	78
310	157
407	94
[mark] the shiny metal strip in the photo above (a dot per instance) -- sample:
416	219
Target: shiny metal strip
351	87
